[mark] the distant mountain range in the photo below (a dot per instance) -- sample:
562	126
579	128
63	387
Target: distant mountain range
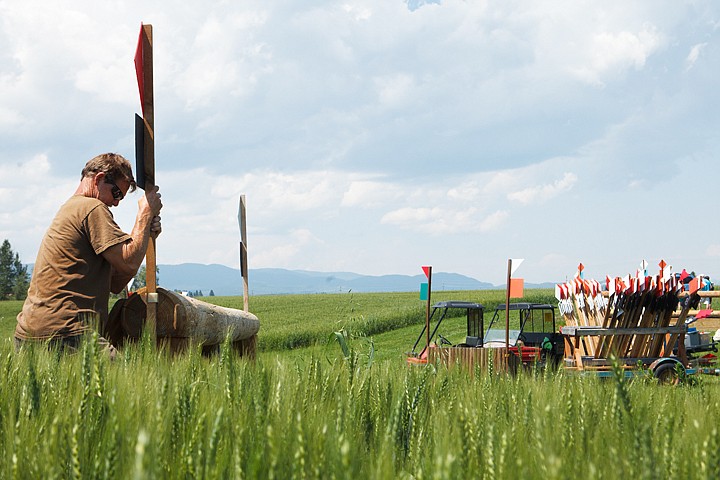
226	281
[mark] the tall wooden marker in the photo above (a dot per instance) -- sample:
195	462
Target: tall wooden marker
507	308
514	290
145	157
427	269
243	251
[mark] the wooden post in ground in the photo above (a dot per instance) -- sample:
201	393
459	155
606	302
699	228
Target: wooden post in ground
428	272
243	252
507	307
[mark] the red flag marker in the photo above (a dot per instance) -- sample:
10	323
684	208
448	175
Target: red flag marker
139	68
695	285
684	274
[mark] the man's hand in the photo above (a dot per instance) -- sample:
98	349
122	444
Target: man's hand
149	207
126	257
155	226
150	203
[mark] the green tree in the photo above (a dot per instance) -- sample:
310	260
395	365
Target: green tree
22	279
141	278
14	278
7	280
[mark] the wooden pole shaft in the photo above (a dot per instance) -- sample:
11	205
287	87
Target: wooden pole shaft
243	252
149	154
703	293
427	313
507	305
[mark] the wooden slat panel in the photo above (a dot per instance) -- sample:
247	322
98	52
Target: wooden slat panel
470	358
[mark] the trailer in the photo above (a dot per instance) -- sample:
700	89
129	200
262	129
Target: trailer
667	368
634	326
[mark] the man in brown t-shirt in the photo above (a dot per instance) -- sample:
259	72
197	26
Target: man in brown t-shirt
84	255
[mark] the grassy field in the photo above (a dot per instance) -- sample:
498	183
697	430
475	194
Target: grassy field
392	320
290	322
310	412
8	312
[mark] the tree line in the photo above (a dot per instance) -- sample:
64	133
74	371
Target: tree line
14	276
194	293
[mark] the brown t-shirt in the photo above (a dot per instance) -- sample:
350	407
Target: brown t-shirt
71	279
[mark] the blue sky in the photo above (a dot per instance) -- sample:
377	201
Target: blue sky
382	135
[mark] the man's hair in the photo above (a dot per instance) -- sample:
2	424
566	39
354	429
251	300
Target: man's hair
113	165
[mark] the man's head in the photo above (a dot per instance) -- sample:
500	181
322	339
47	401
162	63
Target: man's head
111	169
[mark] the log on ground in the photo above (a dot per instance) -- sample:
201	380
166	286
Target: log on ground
180	317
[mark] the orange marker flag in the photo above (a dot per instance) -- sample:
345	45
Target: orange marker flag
516	287
696	284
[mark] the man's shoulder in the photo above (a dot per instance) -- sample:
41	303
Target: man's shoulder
82	200
79	208
83	204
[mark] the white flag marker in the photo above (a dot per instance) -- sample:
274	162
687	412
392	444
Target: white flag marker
515	263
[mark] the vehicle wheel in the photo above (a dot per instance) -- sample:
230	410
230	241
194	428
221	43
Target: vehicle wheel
667	374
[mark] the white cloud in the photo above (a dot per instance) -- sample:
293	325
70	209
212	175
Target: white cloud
15	175
611	52
468	191
694	54
228	58
368	193
445	221
29	197
541	193
285	251
10	117
494	221
372	126
108	81
358	12
394	90
551	259
414	218
297	192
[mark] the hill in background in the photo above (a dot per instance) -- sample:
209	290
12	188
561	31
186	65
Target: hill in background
226	281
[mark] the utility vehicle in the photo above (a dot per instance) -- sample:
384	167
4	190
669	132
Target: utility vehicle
536	340
537	329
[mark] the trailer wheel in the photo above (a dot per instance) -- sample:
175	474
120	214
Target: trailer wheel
667	374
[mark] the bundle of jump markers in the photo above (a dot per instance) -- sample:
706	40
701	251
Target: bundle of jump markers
622	311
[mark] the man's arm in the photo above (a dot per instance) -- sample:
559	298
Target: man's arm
126	258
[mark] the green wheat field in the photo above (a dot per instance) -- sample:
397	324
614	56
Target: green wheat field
329	396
